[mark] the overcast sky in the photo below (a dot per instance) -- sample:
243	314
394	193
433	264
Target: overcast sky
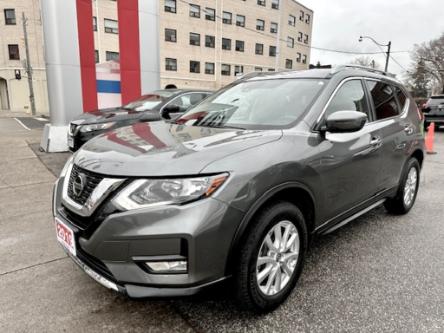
339	23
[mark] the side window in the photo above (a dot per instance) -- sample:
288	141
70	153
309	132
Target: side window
384	100
350	97
185	101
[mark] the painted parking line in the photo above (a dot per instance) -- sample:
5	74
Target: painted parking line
23	125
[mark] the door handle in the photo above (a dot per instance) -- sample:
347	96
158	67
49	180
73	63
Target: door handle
376	141
408	129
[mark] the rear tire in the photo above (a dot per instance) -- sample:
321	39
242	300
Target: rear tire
407	190
263	275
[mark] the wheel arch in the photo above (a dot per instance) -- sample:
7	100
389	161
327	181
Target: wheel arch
293	192
419	155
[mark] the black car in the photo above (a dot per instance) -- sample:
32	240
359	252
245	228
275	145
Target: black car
159	104
433	111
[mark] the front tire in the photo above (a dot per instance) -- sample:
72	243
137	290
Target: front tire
407	191
271	258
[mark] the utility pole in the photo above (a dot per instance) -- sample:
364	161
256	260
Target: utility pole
28	67
389	46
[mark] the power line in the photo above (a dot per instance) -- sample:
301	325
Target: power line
300	43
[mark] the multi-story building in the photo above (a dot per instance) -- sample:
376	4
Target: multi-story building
203	43
206	43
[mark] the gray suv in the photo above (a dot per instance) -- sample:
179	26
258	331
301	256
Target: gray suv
239	185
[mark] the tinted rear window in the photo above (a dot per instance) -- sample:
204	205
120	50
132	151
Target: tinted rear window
384	100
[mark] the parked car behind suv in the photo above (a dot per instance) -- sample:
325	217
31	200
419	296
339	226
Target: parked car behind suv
151	107
434	111
239	185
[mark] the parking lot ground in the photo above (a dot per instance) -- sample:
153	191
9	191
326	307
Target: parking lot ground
380	273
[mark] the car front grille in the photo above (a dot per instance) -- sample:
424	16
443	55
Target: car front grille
91	181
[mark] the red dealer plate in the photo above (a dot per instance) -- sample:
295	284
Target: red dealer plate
65	236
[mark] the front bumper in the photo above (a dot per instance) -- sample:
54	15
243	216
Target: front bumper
117	247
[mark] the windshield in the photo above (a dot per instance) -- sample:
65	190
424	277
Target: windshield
149	102
259	104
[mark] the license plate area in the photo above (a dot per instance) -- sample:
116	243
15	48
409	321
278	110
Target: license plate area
65	236
70	141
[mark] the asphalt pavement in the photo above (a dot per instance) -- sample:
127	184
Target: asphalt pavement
380	273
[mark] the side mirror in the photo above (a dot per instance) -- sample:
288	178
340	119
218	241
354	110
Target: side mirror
169	110
345	122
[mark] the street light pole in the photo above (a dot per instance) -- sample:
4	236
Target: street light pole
389	47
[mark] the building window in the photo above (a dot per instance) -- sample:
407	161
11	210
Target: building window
261	2
304	59
111	26
171	64
94	23
300	36
13	50
194	39
271	70
259	49
225	70
275	4
240	21
210	41
226	44
238	70
272	51
112	56
288	63
307	18
299	57
260	25
209	68
194	66
292	20
195	11
301	15
227	17
96	56
210	14
170	6
290	42
240	45
10	17
305	39
170	35
273	27
258	69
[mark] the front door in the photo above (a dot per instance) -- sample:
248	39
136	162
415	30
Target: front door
350	166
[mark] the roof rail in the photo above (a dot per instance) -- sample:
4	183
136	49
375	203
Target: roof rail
364	68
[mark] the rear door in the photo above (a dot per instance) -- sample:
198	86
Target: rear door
391	118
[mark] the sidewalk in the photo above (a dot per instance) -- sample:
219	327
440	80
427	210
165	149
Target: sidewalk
41	289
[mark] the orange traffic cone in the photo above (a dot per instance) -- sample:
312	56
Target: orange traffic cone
430	139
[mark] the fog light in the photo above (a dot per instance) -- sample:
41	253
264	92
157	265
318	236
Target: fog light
167	266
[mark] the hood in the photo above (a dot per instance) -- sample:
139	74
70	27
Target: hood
107	115
162	149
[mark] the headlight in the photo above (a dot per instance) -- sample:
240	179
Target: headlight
148	192
65	168
95	127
